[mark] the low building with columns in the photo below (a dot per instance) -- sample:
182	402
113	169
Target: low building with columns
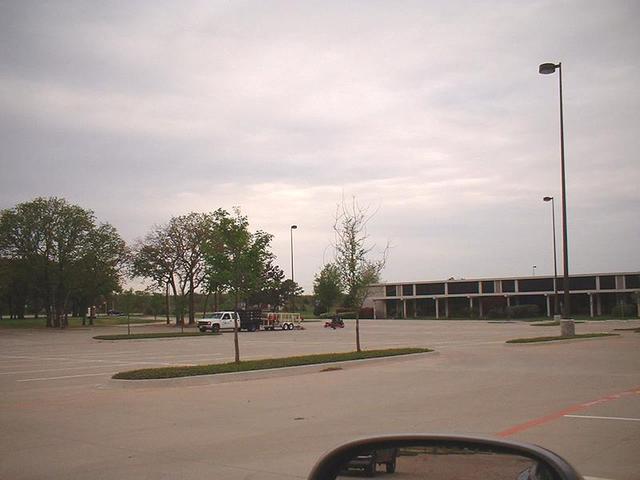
592	294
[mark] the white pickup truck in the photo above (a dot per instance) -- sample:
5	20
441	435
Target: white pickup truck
219	321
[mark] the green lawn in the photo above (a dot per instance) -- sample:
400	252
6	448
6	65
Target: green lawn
267	363
551	339
74	322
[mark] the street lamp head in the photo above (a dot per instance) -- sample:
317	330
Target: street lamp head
547	68
547	199
293	227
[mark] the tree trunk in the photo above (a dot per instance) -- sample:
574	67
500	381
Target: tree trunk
49	315
206	302
192	313
167	305
358	331
236	344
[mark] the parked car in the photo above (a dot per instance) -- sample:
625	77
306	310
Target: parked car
368	462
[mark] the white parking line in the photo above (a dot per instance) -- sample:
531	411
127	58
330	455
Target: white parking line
19	372
60	378
604	418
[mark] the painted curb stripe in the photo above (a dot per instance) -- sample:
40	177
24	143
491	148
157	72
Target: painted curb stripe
567	411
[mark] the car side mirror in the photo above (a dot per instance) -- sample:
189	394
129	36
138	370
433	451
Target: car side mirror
441	457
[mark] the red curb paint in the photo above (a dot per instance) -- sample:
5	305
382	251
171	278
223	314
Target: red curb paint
573	409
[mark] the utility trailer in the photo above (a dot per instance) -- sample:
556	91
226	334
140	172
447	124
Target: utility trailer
281	321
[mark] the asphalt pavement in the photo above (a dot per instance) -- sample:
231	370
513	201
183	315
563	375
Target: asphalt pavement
62	416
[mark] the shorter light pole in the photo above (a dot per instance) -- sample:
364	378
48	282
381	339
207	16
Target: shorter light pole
555	262
293	227
533	269
293	300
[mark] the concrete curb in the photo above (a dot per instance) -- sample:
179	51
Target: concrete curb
217	378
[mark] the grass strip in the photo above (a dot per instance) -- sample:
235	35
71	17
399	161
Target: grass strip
263	364
74	322
552	323
135	336
551	339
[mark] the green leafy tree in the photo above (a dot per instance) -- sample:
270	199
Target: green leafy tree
53	243
352	257
327	287
274	289
100	270
154	304
236	258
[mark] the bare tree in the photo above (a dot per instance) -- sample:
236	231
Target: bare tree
171	256
188	234
155	258
352	256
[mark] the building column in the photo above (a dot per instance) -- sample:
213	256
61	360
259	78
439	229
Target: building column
437	309
470	303
548	305
508	300
480	310
404	309
591	304
598	304
446	307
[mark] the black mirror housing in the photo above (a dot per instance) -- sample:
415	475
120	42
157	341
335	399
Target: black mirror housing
346	460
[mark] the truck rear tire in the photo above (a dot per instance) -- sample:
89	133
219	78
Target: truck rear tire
215	328
391	466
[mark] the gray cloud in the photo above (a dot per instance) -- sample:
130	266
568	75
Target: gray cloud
432	113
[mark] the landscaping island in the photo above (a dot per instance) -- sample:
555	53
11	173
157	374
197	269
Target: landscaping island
136	336
264	364
559	337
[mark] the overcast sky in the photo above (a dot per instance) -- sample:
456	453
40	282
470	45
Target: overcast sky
432	114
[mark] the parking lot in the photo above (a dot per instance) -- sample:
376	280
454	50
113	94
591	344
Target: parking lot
63	416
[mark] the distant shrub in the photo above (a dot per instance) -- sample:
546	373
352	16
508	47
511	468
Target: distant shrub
348	314
523	311
319	310
366	312
624	310
497	312
515	311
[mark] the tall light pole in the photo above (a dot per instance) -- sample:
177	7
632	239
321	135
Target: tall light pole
555	262
546	69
